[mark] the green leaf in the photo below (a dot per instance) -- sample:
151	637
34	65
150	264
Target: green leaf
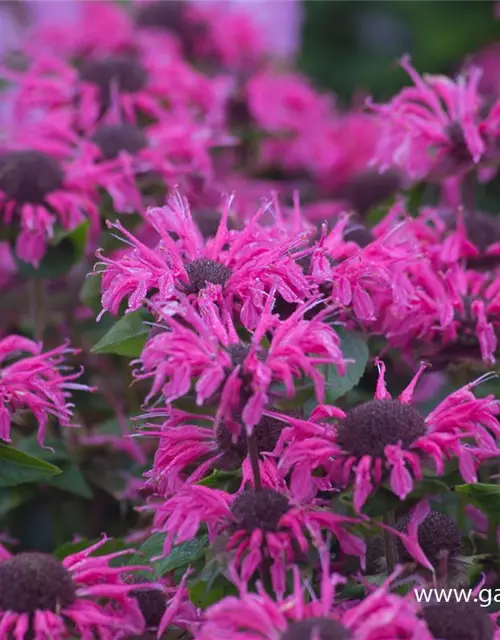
54	451
66	249
483	496
126	338
90	295
71	480
353	347
69	548
225	480
180	556
205	593
380	503
13	497
17	467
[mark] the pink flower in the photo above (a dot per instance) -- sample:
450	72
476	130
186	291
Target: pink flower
40	184
435	127
388	439
285	102
364	280
164	607
77	29
121	158
42	597
230	36
234	266
268	524
242	372
305	615
150	79
278	25
34	382
191	446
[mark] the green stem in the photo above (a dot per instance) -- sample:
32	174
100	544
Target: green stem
38	311
389	543
468	193
253	454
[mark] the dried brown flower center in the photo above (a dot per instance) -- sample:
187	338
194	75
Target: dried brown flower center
29	176
126	72
152	605
266	434
437	534
259	509
370	427
32	582
114	138
203	271
458	621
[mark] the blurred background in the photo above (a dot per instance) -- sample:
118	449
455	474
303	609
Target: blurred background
352	46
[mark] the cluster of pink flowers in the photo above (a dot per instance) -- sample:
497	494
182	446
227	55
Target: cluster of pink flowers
275	315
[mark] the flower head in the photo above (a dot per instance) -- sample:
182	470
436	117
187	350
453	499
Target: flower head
190	446
40	185
234	266
266	525
458	621
33	380
434	128
386	437
306	616
242	372
41	597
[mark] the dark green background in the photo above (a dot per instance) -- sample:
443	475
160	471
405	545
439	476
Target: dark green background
353	45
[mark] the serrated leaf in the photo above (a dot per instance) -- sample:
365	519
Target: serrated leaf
484	496
126	338
354	348
180	556
17	468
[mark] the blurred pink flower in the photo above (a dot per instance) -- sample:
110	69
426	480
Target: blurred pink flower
32	380
279	21
435	128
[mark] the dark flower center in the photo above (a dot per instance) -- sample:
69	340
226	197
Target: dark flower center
460	151
358	233
114	138
161	15
437	534
152	605
259	509
370	188
128	74
32	582
458	621
29	176
203	271
322	628
266	434
370	427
